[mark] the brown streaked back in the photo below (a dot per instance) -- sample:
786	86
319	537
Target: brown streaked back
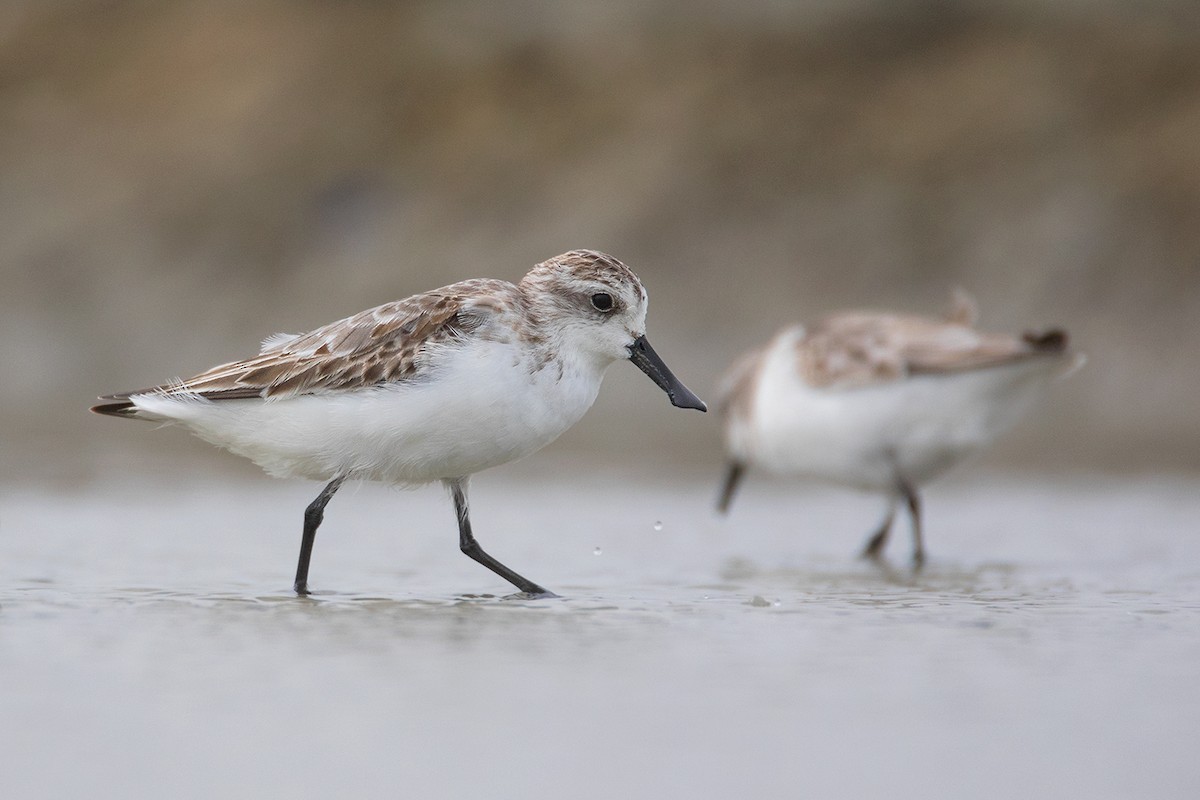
855	349
389	343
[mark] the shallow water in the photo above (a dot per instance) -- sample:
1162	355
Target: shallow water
149	646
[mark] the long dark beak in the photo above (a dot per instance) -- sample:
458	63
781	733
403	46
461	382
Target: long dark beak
643	355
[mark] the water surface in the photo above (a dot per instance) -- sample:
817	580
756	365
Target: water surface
149	646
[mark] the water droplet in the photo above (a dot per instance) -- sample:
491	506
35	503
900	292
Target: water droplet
760	602
658	525
596	552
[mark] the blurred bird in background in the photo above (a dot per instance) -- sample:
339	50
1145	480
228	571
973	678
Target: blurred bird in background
882	402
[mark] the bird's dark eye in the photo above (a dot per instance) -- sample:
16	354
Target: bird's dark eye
602	301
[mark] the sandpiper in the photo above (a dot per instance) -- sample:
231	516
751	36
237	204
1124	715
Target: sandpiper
881	402
435	387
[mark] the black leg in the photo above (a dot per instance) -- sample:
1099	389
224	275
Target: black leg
914	512
875	545
733	477
467	543
312	520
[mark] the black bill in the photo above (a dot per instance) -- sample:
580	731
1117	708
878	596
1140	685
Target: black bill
643	355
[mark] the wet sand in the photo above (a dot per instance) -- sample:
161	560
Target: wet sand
149	646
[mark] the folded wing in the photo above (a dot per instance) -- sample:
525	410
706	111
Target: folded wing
398	341
864	348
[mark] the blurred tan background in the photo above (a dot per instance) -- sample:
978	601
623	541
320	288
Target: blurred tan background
178	180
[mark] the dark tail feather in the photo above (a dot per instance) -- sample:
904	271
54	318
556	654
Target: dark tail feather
120	408
1054	340
733	477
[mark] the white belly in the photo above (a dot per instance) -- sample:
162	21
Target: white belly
915	428
481	408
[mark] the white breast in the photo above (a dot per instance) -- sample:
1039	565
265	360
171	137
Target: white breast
919	426
483	406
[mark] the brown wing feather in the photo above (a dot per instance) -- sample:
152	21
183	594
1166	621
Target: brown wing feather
392	342
858	349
